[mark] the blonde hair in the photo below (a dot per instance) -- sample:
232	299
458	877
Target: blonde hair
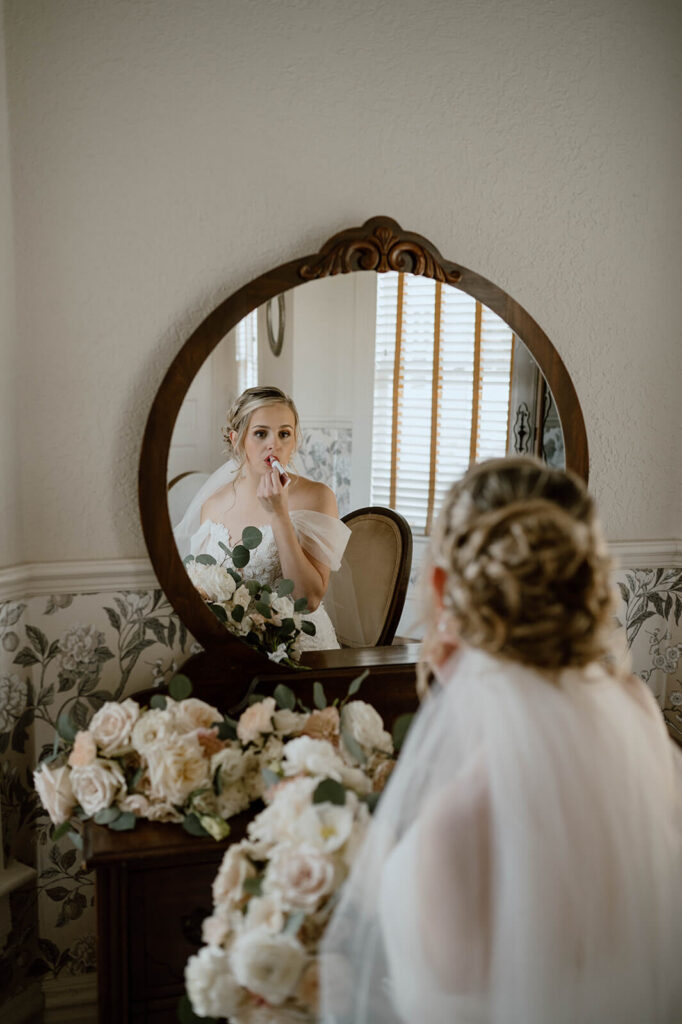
528	575
241	410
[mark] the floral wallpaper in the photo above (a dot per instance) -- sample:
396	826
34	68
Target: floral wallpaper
71	652
67	652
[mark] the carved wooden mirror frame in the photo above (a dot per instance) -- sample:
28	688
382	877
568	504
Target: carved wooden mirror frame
379	245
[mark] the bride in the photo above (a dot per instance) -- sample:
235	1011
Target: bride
303	538
523	864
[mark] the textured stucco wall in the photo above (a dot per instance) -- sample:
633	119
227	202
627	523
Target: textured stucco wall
164	153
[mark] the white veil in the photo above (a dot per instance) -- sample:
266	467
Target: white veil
190	522
582	803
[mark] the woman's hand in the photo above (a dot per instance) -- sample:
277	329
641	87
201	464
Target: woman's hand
272	495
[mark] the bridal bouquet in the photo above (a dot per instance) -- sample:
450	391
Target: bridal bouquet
276	889
266	618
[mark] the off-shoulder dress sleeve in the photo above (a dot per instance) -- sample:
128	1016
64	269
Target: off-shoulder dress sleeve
322	536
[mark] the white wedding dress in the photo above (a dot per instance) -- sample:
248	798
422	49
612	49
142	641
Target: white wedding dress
322	536
582	819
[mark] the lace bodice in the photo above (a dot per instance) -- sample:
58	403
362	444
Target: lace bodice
318	533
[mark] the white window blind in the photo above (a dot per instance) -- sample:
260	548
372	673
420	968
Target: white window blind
441	392
246	351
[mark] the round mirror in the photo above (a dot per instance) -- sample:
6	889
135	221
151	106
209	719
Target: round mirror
402	377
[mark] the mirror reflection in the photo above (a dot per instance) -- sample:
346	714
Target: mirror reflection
399	383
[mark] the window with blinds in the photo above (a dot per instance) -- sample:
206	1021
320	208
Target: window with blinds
246	352
442	375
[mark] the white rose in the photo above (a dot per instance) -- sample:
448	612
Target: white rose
96	785
232	800
211	988
176	766
242	597
161	810
113	724
256	720
154	726
234	869
266	911
316	757
84	749
192	714
301	875
272	751
135	802
231	763
284	606
289	723
280	654
278	821
326	826
53	786
268	965
213	582
365	725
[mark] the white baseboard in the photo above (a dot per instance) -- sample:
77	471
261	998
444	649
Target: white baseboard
24	1008
71	999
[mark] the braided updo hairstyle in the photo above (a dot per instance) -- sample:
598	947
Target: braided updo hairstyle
239	415
527	569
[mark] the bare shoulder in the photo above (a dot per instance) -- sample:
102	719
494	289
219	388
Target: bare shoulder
214	506
315	496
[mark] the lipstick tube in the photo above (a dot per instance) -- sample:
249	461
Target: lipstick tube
284	477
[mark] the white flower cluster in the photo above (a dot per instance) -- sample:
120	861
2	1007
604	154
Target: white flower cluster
144	761
252	610
273	894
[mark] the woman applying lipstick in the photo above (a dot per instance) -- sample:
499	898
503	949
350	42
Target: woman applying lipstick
303	538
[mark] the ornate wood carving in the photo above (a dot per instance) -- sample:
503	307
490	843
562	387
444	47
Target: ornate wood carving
380	245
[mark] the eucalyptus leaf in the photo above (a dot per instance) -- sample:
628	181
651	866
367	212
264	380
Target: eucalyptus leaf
224	547
266	596
238	612
240	556
270	778
180	687
187	559
205	559
158	701
219	612
253	886
125	823
264	609
357	683
235	576
107	815
371	799
284	587
329	791
285	697
319	698
60	830
251	537
77	839
301	604
400	728
253	587
308	627
66	727
353	747
294	922
191	824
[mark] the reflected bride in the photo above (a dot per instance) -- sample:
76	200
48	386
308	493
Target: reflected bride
303	538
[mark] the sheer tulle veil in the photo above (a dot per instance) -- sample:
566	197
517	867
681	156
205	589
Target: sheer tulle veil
585	917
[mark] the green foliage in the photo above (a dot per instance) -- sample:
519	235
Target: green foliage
180	687
319	698
125	822
205	560
158	701
329	791
191	824
284	587
106	816
400	729
240	556
285	697
308	627
251	537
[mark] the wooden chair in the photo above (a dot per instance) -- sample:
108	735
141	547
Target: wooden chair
365	598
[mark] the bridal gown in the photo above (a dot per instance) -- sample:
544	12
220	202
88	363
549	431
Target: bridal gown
582	801
322	536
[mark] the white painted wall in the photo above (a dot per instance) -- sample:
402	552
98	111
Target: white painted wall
165	152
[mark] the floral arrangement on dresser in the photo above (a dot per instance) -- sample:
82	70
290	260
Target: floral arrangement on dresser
267	619
276	890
